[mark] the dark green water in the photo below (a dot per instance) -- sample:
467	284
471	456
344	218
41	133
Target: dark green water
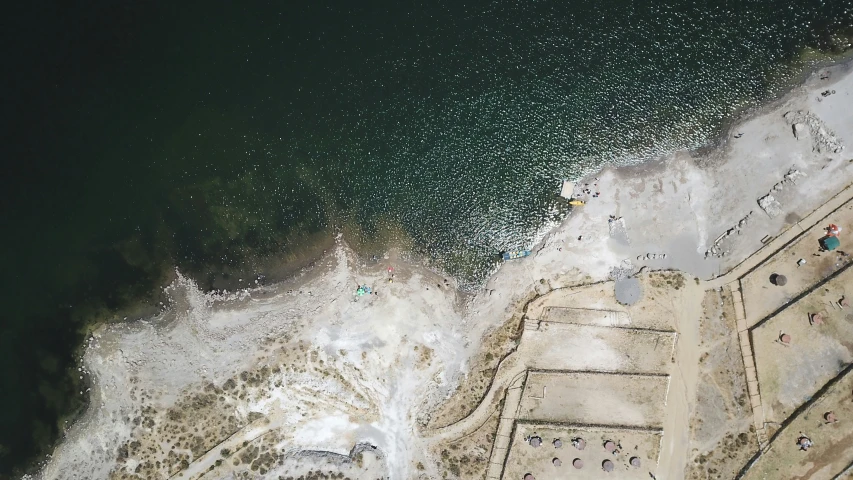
140	136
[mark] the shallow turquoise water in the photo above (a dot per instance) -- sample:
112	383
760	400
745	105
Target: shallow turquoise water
145	137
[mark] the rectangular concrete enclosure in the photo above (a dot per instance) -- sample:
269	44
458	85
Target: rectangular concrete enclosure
789	374
567	346
595	398
644	444
587	316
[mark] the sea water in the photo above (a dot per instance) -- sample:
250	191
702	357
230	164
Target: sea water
214	138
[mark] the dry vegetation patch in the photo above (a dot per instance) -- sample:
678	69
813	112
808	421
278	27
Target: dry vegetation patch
833	441
790	374
166	440
722	435
467	457
473	386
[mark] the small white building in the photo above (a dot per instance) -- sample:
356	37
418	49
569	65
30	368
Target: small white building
568	189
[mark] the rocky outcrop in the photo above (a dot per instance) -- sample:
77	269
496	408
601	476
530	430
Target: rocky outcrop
769	203
717	248
824	140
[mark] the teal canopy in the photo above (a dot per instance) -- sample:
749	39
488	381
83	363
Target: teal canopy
363	290
830	243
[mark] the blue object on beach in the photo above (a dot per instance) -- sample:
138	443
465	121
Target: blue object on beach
830	243
516	254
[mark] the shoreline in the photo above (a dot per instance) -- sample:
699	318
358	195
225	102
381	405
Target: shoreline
547	250
843	63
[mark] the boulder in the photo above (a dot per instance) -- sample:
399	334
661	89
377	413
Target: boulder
770	205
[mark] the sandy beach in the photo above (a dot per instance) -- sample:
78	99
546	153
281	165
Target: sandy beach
306	379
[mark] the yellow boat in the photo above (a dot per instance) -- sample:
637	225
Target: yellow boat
577	202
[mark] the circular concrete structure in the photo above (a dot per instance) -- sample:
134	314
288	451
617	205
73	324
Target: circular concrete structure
635	462
610	446
607	466
577	463
628	290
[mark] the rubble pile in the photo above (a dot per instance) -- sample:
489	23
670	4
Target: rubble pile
769	203
805	124
717	249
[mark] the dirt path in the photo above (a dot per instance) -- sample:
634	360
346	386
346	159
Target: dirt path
249	433
682	389
511	367
503	437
